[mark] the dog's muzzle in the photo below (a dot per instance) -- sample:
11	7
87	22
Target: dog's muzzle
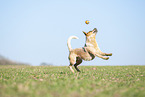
95	30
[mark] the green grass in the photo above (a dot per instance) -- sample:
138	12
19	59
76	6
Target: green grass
53	81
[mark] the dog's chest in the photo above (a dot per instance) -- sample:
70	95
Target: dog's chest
87	56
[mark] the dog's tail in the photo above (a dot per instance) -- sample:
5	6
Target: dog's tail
69	42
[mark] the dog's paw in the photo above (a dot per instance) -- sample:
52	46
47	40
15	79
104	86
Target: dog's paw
110	54
106	58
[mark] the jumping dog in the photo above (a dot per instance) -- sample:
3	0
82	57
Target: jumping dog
87	53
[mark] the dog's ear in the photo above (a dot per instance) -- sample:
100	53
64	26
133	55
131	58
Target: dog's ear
85	33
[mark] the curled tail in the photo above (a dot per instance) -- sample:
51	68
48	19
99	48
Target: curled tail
69	42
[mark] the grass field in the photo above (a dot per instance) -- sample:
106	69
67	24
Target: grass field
55	81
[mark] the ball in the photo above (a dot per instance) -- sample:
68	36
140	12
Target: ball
87	21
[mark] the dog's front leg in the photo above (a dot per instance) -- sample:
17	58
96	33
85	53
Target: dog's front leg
103	54
100	56
108	54
93	51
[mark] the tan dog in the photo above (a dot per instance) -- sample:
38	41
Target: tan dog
87	53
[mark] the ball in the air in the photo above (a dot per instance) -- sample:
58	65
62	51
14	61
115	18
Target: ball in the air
87	21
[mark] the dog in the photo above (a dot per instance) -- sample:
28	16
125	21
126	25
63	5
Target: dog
87	53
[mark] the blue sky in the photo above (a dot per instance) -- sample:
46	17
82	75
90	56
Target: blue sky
36	31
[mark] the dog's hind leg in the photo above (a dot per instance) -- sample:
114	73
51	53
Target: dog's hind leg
70	66
78	61
72	62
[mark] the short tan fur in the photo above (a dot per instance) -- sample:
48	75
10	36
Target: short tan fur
87	53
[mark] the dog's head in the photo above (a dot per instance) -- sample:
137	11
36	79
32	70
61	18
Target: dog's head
91	33
91	38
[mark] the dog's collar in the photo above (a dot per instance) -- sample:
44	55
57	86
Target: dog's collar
84	49
88	44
